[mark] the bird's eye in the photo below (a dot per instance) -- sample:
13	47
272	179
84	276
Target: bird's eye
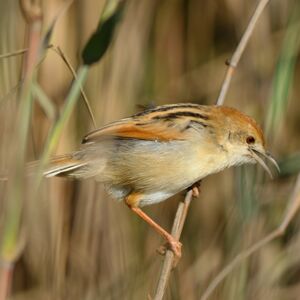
250	140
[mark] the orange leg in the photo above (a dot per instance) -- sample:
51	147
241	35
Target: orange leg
174	244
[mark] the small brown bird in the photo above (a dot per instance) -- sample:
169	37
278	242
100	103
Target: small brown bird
154	154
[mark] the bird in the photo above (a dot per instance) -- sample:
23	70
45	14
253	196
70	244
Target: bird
156	153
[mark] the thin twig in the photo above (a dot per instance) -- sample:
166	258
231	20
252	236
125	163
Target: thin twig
169	257
14	53
18	52
63	56
232	63
289	215
69	65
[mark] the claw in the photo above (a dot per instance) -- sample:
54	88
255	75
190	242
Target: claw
196	189
173	245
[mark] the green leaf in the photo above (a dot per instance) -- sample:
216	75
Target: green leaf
44	101
55	132
284	74
290	165
102	37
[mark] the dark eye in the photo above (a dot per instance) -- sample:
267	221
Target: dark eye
250	140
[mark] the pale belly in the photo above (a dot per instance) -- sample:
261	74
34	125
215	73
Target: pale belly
155	170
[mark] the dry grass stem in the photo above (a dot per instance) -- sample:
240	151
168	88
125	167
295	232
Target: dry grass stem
13	53
233	62
11	239
168	263
289	215
6	272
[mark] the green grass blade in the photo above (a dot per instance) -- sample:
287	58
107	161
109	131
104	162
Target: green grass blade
284	73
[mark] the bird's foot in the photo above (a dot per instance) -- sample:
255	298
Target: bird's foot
173	245
196	189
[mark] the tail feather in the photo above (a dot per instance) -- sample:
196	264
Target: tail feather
63	165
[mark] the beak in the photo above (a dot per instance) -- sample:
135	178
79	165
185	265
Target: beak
254	153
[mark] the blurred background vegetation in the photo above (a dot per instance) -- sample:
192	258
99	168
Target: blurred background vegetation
68	239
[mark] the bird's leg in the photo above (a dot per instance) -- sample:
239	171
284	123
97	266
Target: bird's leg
132	202
195	192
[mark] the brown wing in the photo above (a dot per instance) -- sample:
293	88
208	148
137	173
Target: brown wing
136	129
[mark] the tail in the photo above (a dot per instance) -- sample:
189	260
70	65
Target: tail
64	165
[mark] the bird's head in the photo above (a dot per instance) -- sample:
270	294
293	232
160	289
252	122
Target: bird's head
244	139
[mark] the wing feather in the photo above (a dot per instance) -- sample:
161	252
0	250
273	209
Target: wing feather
136	129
